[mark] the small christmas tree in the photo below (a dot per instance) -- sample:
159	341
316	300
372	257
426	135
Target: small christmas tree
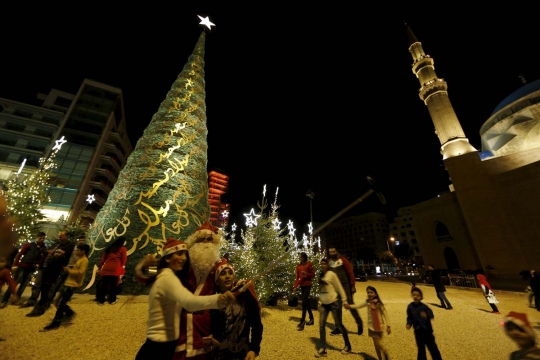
266	249
27	194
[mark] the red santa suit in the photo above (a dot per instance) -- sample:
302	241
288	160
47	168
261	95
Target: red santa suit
195	326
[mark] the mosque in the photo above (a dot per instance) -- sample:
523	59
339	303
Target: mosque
490	219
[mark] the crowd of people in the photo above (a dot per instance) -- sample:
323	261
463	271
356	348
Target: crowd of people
198	310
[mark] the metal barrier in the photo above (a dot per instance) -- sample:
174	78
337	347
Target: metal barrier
462	280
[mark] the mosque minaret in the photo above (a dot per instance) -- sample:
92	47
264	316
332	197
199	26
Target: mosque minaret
433	92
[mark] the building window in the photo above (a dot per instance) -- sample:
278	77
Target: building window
441	233
63	102
44	133
15	127
23	114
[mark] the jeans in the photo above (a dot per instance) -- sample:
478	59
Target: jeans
350	301
425	338
63	307
36	288
152	350
108	285
58	285
21	277
305	303
335	308
443	299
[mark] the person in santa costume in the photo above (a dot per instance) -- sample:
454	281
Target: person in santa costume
236	329
519	329
168	296
204	246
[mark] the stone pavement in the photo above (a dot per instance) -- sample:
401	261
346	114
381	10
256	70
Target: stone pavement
470	331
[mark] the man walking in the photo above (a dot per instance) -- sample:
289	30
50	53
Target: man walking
343	269
29	259
440	289
53	265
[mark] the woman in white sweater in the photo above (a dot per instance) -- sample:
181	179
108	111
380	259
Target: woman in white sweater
330	288
168	296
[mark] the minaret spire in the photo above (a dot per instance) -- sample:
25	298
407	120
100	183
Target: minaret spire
433	92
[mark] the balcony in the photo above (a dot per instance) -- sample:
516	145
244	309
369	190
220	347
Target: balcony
109	160
107	173
112	147
100	185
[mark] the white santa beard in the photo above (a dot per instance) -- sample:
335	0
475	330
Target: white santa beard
203	256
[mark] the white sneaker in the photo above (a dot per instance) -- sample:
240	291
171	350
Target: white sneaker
321	353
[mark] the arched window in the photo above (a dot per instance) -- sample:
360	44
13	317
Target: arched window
441	232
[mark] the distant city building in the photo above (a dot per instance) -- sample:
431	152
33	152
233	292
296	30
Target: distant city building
218	185
489	221
402	231
92	122
351	234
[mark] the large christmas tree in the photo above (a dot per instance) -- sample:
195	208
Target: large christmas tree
162	191
28	193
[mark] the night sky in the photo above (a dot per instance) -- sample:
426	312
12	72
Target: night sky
305	97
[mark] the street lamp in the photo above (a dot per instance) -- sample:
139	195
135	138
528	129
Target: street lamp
388	244
310	194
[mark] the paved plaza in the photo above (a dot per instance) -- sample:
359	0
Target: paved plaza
469	331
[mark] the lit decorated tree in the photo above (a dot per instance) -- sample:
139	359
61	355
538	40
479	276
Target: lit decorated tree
266	249
28	193
162	191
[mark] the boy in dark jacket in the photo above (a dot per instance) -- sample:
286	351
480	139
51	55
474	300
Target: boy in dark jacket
419	317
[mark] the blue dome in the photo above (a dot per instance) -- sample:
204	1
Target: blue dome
518	94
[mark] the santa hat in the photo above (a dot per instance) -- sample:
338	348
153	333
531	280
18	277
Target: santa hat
520	320
205	230
220	265
173	246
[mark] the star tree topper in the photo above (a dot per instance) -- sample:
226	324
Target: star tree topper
310	228
206	22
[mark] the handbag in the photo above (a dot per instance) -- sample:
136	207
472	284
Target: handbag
292	300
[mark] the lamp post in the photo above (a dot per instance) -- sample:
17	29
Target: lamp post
388	244
310	194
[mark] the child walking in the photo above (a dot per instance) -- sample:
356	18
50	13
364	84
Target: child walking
419	317
74	280
488	293
377	320
330	289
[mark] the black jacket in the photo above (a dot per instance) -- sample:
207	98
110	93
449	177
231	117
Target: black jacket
437	281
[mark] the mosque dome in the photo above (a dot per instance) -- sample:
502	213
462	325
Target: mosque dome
514	125
518	94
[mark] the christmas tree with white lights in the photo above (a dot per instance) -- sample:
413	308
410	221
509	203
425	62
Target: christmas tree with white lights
28	193
266	249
